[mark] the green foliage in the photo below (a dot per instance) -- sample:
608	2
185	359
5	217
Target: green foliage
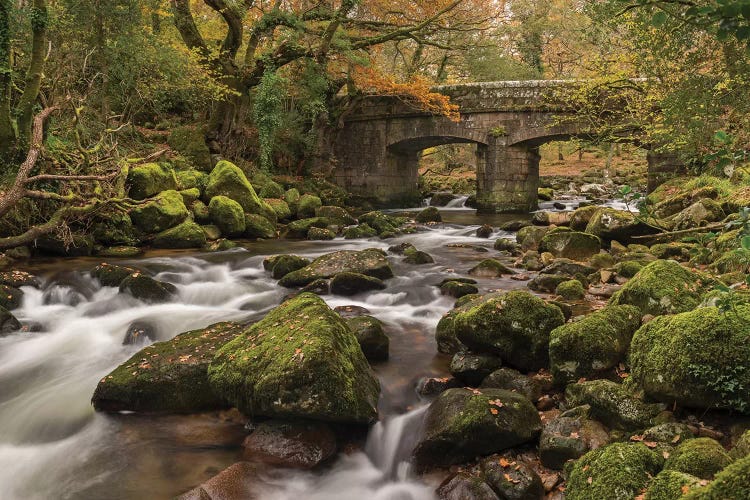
267	109
727	383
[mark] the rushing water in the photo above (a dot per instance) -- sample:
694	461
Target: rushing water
53	445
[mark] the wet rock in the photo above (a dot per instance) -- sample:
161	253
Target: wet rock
545	194
167	376
371	337
473	368
300	361
569	438
10	298
514	381
120	252
462	424
490	268
595	344
581	217
300	228
319	234
370	262
140	332
680	359
432	386
507	245
570	245
82	245
147	289
429	214
295	444
351	311
664	287
567	267
619	470
551	218
360	231
353	283
318	287
381	222
546	283
281	265
612	404
417	257
8	322
458	289
530	237
336	215
511	479
442	199
515	225
484	231
514	325
464	486
236	482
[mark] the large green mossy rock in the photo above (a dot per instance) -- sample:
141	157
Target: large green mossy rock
307	205
281	265
571	244
164	211
697	359
191	179
612	404
370	262
227	215
227	179
257	226
167	376
301	228
190	142
112	275
337	215
381	222
115	229
149	179
701	457
300	361
733	483
617	471
462	424
664	287
620	225
670	485
514	325
281	208
592	345
147	289
185	235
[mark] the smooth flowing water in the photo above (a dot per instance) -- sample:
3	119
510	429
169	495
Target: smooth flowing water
53	445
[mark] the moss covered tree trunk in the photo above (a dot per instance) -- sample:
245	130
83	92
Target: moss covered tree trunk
36	67
7	135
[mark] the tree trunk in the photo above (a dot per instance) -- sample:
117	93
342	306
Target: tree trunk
36	66
7	135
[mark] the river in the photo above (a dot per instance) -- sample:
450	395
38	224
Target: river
53	445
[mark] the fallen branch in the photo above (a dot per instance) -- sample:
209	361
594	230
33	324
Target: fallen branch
670	234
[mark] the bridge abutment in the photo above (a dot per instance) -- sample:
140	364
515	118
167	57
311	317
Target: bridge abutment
662	167
508	178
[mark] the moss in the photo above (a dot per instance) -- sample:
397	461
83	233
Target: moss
380	221
307	205
300	228
167	376
185	235
190	179
612	224
612	404
190	142
545	194
733	483
736	260
628	269
149	179
429	214
370	262
190	195
457	289
371	337
593	345
120	252
602	261
581	217
529	237
164	211
147	289
227	215
111	275
742	448
674	250
200	211
664	287
281	208
227	179
462	424
417	257
570	244
515	325
292	196
281	265
320	234
271	190
301	360
697	359
571	290
617	471
490	268
115	229
670	485
360	231
701	457
212	232
257	226
347	283
337	215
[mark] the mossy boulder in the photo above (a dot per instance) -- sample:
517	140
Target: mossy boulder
300	228
227	179
736	260
571	290
191	179
212	232
190	142
513	380
732	483
628	268
115	229
337	215
281	208
741	448
530	237
257	226
370	262
569	437
10	297
167	376
320	234
593	345
189	195
674	204
465	486
292	196
417	257
612	404
149	179
359	231
227	215
380	221
697	359
698	214
471	369
581	217
112	275
700	457
307	205
147	289
281	265
620	225
514	325
671	485
164	211
200	212
300	361
571	245
545	194
371	337
664	287
429	214
458	289
490	268
121	251
619	470
271	189
462	424
188	234
347	284
8	322
82	245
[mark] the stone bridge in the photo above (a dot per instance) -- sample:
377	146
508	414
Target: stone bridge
379	147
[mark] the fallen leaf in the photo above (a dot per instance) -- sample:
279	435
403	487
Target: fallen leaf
665	454
494	411
574	435
685	489
503	462
676	438
590	480
650	444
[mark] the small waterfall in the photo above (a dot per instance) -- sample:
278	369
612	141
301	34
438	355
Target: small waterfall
391	442
458	202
